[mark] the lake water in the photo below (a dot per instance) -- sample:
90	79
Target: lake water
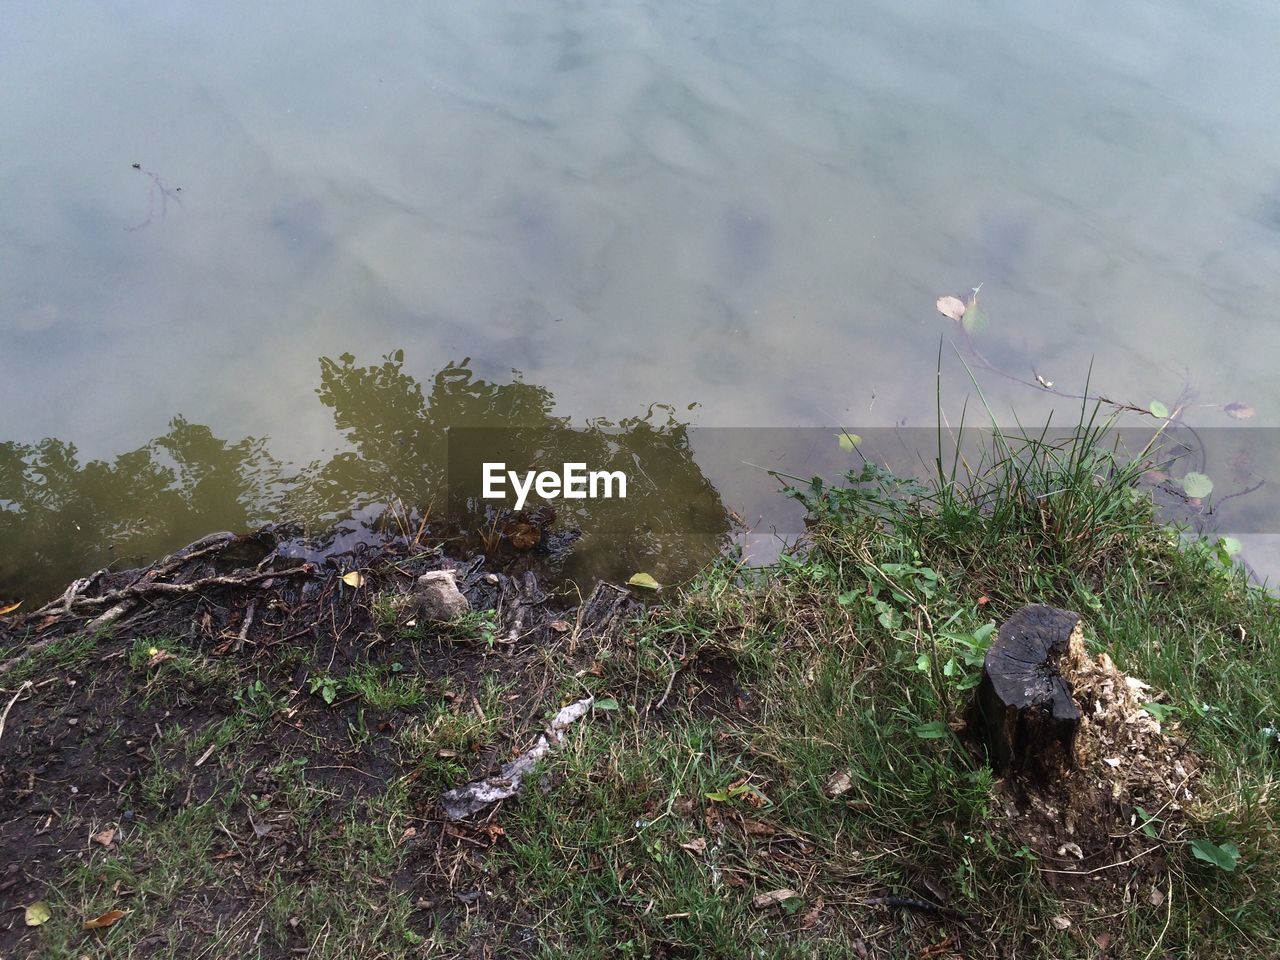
742	210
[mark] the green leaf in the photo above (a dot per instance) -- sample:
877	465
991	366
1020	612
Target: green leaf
848	441
931	731
1197	486
607	703
1230	546
38	913
1224	857
644	582
1150	825
329	693
975	318
1158	409
1161	711
922	662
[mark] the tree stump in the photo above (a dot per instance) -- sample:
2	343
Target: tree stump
1024	707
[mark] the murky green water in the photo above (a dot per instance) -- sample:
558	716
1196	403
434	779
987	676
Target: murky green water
746	206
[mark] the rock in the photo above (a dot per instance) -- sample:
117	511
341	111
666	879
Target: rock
437	598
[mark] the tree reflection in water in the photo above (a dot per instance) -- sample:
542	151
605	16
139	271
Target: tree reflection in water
61	518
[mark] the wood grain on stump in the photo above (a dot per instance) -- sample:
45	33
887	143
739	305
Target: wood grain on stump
1024	707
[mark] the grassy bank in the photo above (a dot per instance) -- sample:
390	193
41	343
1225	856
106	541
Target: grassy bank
776	765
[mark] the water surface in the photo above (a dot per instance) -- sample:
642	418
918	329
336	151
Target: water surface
746	206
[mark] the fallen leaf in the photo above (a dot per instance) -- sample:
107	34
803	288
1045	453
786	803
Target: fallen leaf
105	837
1237	411
409	834
811	915
1071	848
10	608
158	657
38	913
1062	923
848	441
644	582
525	536
260	829
983	600
493	831
1158	409
838	783
353	579
773	898
106	920
755	828
1155	897
952	308
696	845
559	626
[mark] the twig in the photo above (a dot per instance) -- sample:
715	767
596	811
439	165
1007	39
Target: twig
14	699
147	589
244	627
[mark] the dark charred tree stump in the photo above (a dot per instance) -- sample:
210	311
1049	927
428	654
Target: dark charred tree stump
1024	709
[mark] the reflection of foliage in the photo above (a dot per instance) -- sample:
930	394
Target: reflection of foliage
397	436
60	518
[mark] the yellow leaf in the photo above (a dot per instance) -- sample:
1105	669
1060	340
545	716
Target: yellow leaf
644	582
38	913
106	920
848	441
353	579
10	608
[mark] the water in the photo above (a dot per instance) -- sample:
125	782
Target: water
747	207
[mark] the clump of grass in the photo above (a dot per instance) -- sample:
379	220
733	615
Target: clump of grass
385	687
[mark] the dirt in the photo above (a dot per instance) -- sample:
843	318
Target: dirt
88	729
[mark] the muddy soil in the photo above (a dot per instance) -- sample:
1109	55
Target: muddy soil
104	722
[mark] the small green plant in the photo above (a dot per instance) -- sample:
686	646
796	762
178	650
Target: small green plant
324	685
964	667
257	700
1224	856
739	792
892	589
481	625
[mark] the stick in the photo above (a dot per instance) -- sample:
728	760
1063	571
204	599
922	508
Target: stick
5	716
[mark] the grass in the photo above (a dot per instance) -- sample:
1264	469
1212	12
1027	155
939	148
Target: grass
851	663
773	752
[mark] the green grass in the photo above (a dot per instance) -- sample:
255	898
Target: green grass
857	653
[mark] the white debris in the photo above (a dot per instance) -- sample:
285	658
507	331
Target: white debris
462	802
